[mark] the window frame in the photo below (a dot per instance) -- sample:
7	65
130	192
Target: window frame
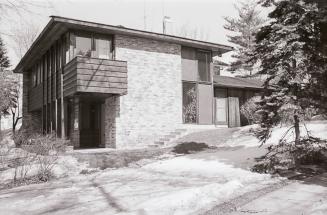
208	72
197	102
70	44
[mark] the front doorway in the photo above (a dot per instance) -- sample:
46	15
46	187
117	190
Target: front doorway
221	106
227	108
90	124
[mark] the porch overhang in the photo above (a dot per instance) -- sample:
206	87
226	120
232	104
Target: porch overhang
235	82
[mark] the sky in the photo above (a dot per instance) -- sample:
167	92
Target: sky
206	16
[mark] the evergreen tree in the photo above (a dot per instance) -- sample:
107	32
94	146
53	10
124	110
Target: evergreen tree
244	29
4	60
291	51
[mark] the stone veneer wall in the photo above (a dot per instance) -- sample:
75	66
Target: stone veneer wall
31	121
153	104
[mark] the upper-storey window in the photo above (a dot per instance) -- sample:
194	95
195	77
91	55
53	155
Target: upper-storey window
36	74
83	46
87	45
204	59
102	48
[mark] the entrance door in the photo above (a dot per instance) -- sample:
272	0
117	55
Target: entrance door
205	104
221	105
90	129
234	112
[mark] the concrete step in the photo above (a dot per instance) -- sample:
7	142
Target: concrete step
170	136
180	130
153	145
159	143
176	133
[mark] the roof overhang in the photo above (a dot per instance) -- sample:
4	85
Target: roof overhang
59	25
236	82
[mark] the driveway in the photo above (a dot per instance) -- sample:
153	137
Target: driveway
307	197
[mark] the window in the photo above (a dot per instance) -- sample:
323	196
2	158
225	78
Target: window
83	46
217	69
102	48
204	59
68	43
87	45
190	103
59	56
38	78
34	81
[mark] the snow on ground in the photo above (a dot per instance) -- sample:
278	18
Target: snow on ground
318	208
179	185
308	197
65	166
244	136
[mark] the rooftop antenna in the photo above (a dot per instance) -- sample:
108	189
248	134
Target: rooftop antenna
165	18
164	22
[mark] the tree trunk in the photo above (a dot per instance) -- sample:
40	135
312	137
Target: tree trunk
13	123
0	128
297	129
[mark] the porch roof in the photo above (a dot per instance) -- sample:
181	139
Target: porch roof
236	82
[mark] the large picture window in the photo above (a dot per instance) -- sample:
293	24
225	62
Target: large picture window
204	59
88	45
189	103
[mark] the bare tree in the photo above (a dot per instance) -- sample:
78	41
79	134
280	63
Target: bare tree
23	35
9	8
9	94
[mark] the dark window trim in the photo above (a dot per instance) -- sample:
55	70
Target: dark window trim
93	36
197	102
210	61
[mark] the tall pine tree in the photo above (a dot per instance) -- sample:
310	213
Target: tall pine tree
4	60
291	51
244	29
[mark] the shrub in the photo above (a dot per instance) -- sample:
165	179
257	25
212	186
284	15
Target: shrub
286	114
21	137
188	147
288	155
37	152
46	149
249	108
5	150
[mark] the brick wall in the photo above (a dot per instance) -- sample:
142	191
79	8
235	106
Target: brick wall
112	108
153	105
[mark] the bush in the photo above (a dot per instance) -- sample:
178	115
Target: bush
284	156
22	137
249	108
286	114
37	152
188	147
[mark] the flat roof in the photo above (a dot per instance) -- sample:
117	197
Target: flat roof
236	82
58	25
